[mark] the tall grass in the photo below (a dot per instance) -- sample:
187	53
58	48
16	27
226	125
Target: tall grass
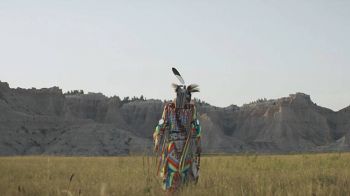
306	174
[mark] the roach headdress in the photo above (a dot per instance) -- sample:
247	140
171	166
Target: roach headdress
183	93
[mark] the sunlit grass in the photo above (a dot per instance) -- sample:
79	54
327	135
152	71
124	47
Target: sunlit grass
305	174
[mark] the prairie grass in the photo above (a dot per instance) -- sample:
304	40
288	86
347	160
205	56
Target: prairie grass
303	174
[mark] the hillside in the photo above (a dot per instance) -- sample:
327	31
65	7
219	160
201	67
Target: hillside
46	121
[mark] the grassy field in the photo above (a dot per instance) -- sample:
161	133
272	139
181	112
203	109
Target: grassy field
305	174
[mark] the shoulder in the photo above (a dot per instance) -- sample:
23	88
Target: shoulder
169	105
192	105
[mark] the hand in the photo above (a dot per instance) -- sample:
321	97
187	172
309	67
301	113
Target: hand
156	148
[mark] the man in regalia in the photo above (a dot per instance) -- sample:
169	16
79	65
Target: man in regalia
177	139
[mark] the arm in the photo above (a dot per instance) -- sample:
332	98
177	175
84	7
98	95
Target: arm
197	130
159	130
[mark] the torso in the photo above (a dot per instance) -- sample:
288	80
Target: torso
179	122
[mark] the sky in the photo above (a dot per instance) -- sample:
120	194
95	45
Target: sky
237	51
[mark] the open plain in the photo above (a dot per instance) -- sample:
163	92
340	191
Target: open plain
250	174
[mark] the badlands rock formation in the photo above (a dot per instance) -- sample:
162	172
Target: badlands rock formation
46	121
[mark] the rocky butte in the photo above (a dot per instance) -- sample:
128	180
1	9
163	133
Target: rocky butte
47	121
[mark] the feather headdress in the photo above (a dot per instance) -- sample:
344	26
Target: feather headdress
192	88
178	75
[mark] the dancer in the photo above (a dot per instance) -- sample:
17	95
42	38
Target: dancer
177	139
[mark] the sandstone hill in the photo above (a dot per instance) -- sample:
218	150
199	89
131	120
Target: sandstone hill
47	121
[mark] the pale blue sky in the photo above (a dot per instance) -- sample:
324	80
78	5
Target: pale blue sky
237	51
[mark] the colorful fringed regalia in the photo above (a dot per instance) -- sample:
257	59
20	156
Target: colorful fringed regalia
177	140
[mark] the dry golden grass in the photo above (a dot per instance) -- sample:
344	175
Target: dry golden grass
306	174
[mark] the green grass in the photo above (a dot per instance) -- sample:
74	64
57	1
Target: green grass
305	174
